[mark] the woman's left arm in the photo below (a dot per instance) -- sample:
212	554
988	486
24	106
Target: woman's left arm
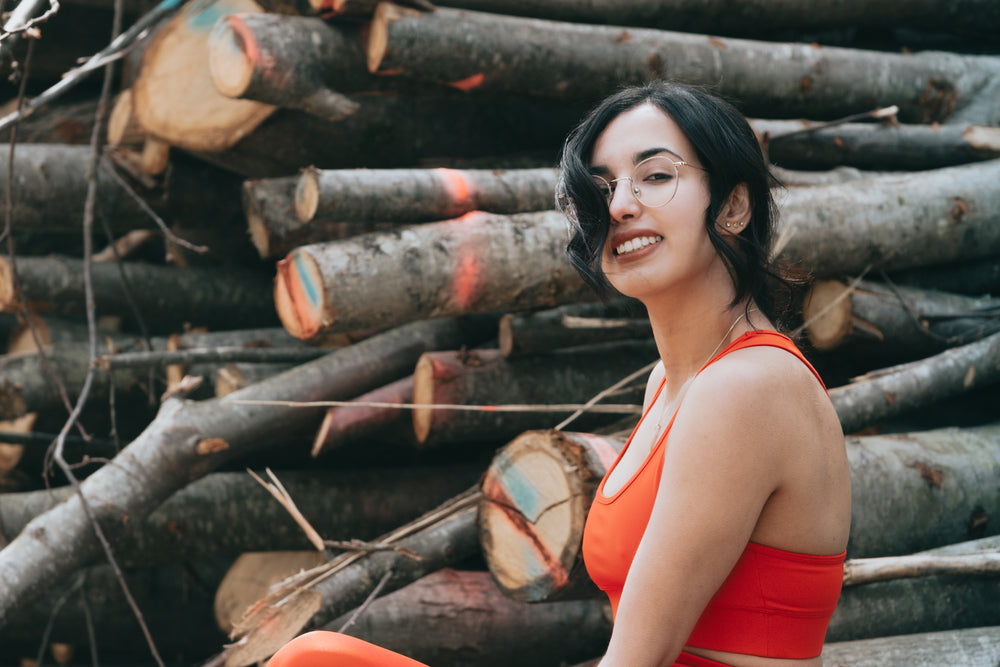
722	462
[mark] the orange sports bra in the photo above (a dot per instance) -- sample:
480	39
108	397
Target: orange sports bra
774	603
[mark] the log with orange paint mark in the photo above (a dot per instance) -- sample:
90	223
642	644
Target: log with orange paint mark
479	263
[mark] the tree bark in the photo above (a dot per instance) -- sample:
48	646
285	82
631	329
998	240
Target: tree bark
168	297
276	230
294	62
571	325
889	392
577	63
974	647
187	440
973	278
441	538
484	377
227	513
233	377
172	94
477	263
874	146
892	223
910	492
753	18
459	618
346	425
401	130
420	195
895	322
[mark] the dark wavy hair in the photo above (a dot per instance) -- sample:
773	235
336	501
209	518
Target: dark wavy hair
728	150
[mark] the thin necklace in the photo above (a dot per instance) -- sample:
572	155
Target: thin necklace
663	412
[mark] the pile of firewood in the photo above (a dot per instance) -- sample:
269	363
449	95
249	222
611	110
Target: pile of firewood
328	255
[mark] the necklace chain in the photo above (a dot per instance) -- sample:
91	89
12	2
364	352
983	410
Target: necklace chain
663	413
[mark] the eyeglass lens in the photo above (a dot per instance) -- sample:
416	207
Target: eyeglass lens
653	182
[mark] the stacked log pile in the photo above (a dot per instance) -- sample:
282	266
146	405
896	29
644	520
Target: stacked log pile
329	251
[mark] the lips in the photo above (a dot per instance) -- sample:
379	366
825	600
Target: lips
637	243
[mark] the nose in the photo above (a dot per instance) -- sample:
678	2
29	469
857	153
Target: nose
623	204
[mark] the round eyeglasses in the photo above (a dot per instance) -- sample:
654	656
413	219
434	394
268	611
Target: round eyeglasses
653	181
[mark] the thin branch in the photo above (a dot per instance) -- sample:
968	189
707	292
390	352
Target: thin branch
568	407
20	21
881	113
840	297
225	354
280	493
368	600
56	608
868	570
370	547
591	405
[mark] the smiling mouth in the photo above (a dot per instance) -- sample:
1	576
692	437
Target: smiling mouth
637	243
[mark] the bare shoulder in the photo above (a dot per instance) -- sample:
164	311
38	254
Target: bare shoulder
652	384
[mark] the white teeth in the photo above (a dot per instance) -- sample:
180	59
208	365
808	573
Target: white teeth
637	243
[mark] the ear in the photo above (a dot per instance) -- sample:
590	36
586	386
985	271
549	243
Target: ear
735	213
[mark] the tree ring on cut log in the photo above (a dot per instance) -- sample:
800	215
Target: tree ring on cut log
536	495
827	313
307	195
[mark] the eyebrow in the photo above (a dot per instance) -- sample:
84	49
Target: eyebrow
639	157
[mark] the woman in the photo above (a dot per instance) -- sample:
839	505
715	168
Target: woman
724	543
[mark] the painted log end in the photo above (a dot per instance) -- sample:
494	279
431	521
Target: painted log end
231	51
307	194
827	313
300	297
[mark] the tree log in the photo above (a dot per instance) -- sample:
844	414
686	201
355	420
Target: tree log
401	130
577	63
895	322
420	195
567	326
459	618
973	278
875	146
441	538
477	263
225	514
927	604
172	95
751	18
343	426
910	492
276	230
485	377
168	297
187	440
886	393
921	219
973	647
294	62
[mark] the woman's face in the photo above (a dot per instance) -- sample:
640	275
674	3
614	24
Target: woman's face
653	249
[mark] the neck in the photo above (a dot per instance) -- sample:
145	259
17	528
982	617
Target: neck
687	336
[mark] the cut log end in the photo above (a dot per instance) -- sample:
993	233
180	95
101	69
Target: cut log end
155	157
8	293
377	43
423	394
307	195
505	336
229	47
531	517
827	312
299	296
122	127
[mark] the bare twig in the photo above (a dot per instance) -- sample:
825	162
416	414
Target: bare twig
227	354
22	20
833	302
567	407
280	493
888	113
370	547
368	600
868	570
591	405
56	608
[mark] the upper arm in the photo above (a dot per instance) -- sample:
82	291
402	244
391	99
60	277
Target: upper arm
721	463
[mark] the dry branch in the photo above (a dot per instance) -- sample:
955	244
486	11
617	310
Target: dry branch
577	63
571	325
172	452
886	393
477	263
867	570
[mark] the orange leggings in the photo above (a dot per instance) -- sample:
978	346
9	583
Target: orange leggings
321	648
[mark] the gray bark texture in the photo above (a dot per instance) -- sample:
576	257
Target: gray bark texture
577	63
971	647
547	330
186	441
